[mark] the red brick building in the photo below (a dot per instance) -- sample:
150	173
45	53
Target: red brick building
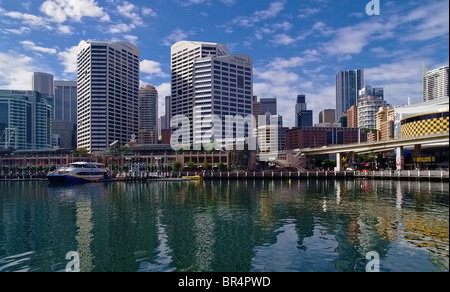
311	137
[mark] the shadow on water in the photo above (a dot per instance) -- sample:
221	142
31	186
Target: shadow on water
229	226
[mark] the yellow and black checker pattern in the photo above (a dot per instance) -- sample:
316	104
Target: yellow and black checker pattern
425	125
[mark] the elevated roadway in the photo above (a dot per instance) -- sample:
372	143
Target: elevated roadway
379	146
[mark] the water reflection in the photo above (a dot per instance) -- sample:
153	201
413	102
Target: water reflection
229	226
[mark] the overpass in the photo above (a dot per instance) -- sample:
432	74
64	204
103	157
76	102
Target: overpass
379	146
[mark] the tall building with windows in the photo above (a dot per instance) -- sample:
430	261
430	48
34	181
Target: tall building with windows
223	87
348	84
327	116
25	120
148	115
436	83
268	105
183	56
64	111
108	85
43	83
208	81
303	116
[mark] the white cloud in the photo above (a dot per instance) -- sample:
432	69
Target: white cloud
61	10
186	3
16	71
132	12
428	22
64	29
152	68
353	39
176	36
248	21
29	45
306	12
164	90
28	19
280	79
69	60
121	28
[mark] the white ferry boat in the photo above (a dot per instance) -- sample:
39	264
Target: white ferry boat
80	172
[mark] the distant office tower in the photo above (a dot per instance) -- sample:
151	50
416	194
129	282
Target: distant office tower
167	115
223	88
108	85
352	117
183	55
256	107
148	115
436	83
65	109
348	84
327	116
25	120
303	116
268	105
43	83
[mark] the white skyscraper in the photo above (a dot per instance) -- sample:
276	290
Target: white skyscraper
436	83
208	82
108	85
183	55
223	88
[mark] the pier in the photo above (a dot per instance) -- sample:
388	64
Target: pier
431	175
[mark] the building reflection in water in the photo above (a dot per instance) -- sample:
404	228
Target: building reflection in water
226	226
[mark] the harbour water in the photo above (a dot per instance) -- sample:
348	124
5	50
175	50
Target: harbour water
315	225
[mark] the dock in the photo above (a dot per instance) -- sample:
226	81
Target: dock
430	175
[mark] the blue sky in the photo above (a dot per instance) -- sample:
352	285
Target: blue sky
298	46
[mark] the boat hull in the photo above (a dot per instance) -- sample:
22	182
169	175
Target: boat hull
73	179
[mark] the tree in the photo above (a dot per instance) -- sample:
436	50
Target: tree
176	166
220	166
205	165
81	151
190	164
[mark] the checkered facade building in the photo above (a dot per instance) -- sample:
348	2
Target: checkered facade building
425	125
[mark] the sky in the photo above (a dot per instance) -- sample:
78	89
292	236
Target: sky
297	46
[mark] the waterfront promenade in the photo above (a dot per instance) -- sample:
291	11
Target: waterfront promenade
431	175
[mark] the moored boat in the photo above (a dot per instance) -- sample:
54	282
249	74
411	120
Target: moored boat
80	172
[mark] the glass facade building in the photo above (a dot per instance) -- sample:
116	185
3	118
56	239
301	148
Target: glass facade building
348	85
25	120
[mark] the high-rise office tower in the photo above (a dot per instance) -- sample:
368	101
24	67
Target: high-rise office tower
327	116
303	116
167	113
436	83
348	84
148	115
108	85
223	88
65	110
268	105
183	55
43	83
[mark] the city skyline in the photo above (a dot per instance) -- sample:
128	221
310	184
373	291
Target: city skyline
297	47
